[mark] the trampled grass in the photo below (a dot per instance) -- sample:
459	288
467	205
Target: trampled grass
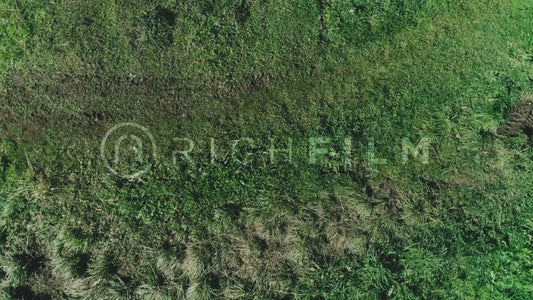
244	80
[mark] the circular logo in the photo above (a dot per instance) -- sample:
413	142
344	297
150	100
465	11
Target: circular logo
128	149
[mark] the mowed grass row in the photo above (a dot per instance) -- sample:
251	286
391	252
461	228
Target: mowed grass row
459	226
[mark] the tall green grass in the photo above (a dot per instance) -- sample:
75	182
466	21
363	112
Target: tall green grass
458	227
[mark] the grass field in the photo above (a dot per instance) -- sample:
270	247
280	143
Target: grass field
264	149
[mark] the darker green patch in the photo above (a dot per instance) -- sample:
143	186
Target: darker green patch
31	263
81	264
160	24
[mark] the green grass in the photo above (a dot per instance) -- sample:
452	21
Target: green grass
458	227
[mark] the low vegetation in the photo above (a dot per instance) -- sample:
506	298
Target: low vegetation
223	89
